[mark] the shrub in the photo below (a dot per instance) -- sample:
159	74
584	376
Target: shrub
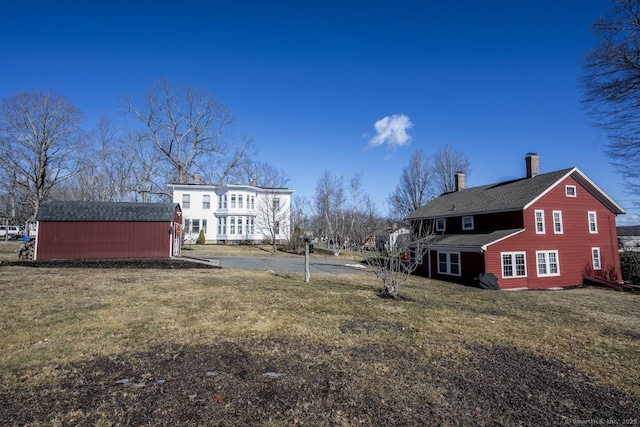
201	239
630	266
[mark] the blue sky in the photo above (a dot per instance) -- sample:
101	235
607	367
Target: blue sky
309	80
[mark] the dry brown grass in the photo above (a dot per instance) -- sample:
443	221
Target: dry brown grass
54	320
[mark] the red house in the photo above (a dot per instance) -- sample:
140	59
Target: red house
542	231
107	230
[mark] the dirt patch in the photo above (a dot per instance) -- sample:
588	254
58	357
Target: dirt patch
367	326
274	382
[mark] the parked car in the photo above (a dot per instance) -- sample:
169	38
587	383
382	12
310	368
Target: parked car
14	232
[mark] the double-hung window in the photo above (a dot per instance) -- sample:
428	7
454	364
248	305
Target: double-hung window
514	264
449	263
548	264
233	201
539	221
276	204
195	226
240	201
595	256
222	201
467	223
441	224
239	225
557	222
593	222
222	225
186	201
206	201
232	225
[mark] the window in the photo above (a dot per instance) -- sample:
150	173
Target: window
557	222
204	226
251	225
593	223
232	225
595	256
233	201
514	264
239	225
206	201
222	225
440	224
240	201
186	201
449	263
570	190
467	223
252	203
195	226
548	263
222	201
276	204
276	228
539	222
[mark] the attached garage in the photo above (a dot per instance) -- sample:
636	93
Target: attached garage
108	230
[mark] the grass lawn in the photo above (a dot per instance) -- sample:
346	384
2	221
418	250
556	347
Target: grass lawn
197	346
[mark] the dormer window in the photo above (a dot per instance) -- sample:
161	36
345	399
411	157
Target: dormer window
440	224
467	223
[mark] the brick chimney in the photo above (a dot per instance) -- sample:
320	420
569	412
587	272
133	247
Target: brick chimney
459	181
533	164
253	182
196	178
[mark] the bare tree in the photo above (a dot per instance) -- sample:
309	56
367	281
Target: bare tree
393	265
41	142
191	130
414	188
330	202
611	85
300	220
446	163
273	216
264	174
363	221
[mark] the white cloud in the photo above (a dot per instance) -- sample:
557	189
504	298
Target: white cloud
392	130
630	219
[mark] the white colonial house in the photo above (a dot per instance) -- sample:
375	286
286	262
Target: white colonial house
234	213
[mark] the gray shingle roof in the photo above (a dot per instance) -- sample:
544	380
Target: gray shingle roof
105	211
500	197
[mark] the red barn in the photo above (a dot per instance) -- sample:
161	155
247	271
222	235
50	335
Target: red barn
542	231
107	230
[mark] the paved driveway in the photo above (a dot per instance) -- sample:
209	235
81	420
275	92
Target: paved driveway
294	264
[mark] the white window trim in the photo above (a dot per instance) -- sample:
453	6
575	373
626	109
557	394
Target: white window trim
535	216
595	222
471	227
560	222
547	263
594	258
442	221
566	191
513	261
448	254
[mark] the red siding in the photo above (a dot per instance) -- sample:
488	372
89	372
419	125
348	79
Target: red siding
103	240
573	245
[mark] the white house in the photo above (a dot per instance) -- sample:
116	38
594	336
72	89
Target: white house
234	213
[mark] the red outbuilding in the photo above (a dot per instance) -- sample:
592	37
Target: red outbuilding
538	232
107	230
